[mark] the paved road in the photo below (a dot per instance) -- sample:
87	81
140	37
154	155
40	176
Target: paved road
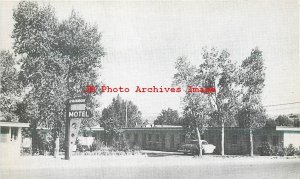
145	167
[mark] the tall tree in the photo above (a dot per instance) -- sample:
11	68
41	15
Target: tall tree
196	116
219	71
81	44
283	120
168	117
114	118
195	109
251	78
216	71
10	88
57	60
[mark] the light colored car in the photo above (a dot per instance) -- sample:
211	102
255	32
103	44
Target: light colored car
193	147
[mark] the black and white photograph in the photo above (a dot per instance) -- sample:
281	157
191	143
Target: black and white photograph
149	89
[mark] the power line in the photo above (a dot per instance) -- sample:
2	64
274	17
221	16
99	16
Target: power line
282	109
281	104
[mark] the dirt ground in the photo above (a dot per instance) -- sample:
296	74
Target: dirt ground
152	165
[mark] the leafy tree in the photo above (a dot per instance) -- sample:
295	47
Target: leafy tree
283	120
270	123
196	110
10	89
251	77
196	115
168	117
57	61
219	71
296	122
80	44
114	118
296	119
216	71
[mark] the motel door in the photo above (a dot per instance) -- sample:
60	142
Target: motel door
144	141
163	142
172	142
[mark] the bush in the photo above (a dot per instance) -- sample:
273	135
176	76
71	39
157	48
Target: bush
136	148
108	151
279	151
265	149
290	150
97	145
297	153
121	145
286	151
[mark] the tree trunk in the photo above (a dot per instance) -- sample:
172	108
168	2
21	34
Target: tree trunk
251	142
222	140
199	141
56	149
34	137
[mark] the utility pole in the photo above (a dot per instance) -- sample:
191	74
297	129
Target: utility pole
126	113
67	134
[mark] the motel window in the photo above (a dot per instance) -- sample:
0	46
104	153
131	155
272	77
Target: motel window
157	137
182	138
136	137
149	137
128	136
212	138
172	141
4	130
275	140
163	138
234	139
14	133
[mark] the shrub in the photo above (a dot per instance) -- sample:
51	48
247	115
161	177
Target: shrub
136	148
290	150
97	145
297	152
121	145
279	151
286	151
265	149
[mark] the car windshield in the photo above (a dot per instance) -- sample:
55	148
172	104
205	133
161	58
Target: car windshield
196	142
204	143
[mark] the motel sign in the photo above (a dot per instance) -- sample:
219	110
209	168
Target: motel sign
76	110
79	114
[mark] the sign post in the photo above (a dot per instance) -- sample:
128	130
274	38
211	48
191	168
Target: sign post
75	111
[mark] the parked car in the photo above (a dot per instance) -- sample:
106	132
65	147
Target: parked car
193	147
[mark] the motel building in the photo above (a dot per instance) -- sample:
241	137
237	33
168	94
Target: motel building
11	139
164	138
170	138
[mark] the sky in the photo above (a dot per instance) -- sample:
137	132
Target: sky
143	39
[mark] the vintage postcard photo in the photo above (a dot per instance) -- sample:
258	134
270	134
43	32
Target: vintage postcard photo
149	89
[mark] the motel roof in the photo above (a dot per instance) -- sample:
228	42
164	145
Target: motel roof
13	124
153	128
288	129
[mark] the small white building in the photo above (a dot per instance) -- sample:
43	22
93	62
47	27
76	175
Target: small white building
11	139
291	135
